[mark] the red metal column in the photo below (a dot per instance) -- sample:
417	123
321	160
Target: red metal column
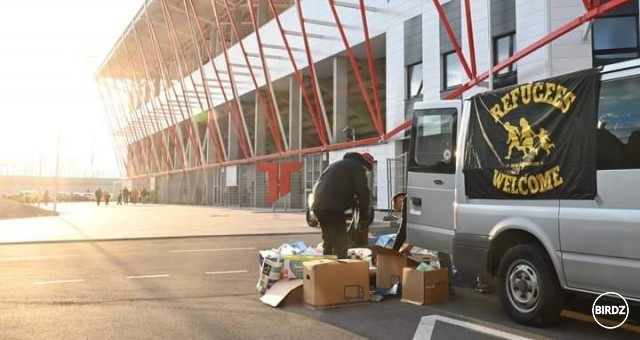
298	75
115	129
265	69
372	65
472	48
244	142
269	112
129	130
356	70
158	128
452	37
178	54
214	129
142	99
312	72
168	86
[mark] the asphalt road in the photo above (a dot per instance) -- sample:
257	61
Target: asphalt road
205	288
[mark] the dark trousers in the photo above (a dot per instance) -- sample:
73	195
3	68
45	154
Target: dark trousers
334	232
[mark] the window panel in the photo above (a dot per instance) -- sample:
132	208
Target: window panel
618	136
434	142
414	74
614	32
453	70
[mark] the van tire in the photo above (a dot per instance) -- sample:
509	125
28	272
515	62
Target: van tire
528	286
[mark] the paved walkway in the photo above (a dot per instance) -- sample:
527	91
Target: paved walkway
86	221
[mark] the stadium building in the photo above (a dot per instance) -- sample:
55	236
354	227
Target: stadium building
244	102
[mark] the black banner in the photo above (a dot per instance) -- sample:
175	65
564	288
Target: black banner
534	140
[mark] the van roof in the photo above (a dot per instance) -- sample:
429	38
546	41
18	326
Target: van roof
621	65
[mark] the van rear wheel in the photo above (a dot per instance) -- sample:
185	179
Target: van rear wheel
528	286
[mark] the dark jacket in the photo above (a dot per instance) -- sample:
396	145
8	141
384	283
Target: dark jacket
340	183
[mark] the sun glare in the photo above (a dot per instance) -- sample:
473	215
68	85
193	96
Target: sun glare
51	50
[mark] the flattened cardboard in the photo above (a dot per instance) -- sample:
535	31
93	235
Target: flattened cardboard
333	283
423	288
279	291
390	264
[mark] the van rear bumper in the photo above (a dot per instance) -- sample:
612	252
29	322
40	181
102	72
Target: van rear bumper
470	253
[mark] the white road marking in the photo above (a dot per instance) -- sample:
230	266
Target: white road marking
205	250
227	272
147	276
56	282
41	257
427	323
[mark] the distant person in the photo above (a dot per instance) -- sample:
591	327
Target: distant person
98	195
144	195
119	198
46	197
125	195
135	193
107	196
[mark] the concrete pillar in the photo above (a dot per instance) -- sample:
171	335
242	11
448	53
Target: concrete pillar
260	128
340	97
295	115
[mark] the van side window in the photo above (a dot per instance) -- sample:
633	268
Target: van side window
433	141
618	134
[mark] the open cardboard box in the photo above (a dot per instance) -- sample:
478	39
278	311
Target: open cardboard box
333	283
390	264
423	288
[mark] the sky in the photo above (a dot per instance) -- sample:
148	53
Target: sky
49	53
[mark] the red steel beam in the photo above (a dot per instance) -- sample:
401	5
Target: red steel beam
587	4
372	65
298	75
235	114
179	55
214	129
178	140
111	113
356	70
452	37
139	94
472	48
269	112
165	152
265	70
312	72
129	133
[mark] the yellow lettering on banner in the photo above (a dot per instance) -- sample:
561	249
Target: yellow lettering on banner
528	185
545	181
506	104
548	96
498	178
538	92
521	186
514	97
555	174
558	103
568	100
525	94
496	112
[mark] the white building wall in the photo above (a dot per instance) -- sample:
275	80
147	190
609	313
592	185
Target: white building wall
532	23
572	51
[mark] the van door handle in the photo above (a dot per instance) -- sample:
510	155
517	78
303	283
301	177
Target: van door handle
416	201
438	181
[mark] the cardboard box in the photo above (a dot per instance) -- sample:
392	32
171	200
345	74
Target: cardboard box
423	288
390	263
293	268
332	283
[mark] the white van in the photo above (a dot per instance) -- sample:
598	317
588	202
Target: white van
537	249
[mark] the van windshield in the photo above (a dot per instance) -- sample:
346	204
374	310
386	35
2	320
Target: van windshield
433	147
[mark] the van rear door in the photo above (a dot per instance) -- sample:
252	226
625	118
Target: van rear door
431	175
